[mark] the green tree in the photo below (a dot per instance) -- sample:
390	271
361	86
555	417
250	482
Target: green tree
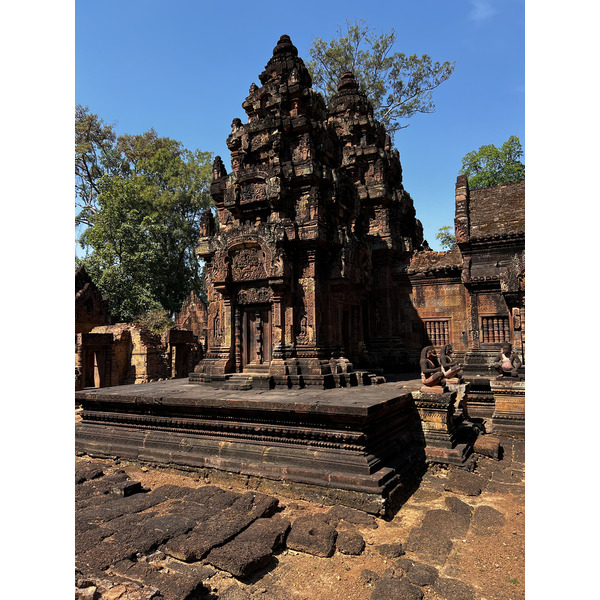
446	238
95	155
491	166
144	225
399	86
156	320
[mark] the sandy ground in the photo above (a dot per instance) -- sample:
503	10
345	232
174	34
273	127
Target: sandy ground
492	565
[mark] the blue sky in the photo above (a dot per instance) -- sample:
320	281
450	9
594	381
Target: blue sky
184	68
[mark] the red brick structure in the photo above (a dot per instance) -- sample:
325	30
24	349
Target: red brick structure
473	296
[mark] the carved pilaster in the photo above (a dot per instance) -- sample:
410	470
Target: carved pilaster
461	219
238	340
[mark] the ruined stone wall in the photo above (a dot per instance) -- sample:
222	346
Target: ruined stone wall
148	362
91	309
122	348
132	354
193	317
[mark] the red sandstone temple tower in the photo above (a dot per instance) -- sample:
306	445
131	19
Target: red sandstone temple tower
314	227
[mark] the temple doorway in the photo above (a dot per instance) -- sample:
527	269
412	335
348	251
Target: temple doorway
93	368
256	340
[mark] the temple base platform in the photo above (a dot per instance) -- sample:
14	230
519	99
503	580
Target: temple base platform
359	447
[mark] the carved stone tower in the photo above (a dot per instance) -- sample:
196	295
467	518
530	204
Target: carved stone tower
312	221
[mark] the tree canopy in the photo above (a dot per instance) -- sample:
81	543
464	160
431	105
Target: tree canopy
491	166
399	86
446	238
141	197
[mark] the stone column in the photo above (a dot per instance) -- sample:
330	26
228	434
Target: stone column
238	340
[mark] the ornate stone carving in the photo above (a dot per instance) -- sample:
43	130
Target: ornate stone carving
507	362
261	295
248	264
311	184
431	370
450	368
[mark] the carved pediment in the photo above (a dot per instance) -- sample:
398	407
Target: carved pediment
248	264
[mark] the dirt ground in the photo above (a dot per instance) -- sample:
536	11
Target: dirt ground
491	562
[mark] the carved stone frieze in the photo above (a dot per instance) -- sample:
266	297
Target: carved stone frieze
248	264
260	295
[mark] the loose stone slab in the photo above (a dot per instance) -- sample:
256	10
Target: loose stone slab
445	523
312	536
393	550
350	515
87	472
429	544
421	574
252	549
458	506
487	520
463	482
350	542
223	527
453	589
172	586
388	588
488	445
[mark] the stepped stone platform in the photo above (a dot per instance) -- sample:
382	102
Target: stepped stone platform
351	446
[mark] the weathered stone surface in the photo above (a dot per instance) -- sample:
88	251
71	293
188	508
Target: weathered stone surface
350	542
367	576
252	549
102	485
458	506
421	574
424	495
398	589
197	571
487	520
393	550
312	536
87	472
488	445
445	523
106	507
87	593
453	589
224	526
350	515
429	544
462	482
172	586
208	495
234	592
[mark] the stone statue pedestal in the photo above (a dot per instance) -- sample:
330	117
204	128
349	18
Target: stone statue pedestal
434	389
509	406
444	441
